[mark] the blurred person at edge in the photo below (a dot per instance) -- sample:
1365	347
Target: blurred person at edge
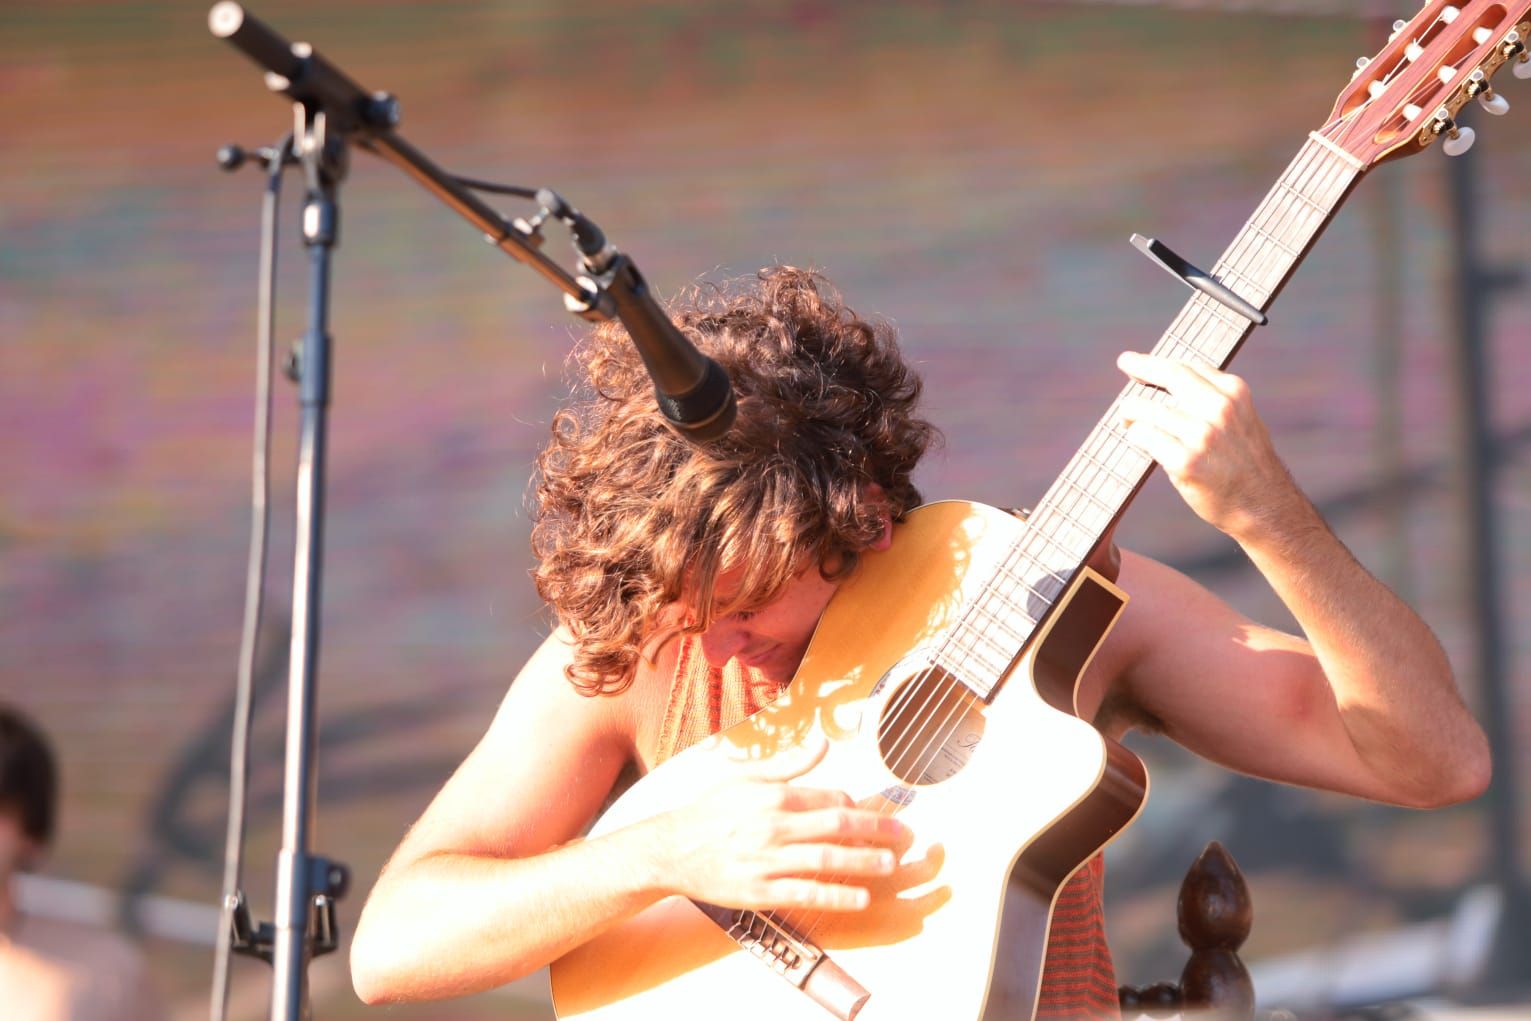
52	970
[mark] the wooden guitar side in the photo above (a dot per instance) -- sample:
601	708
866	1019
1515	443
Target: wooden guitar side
1041	793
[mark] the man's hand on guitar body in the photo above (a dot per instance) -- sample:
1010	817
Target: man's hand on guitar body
762	843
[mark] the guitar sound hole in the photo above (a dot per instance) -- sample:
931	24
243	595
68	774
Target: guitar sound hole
929	726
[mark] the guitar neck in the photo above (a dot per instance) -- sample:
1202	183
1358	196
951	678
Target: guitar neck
1081	506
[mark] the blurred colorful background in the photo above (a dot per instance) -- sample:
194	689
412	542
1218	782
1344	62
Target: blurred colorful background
971	171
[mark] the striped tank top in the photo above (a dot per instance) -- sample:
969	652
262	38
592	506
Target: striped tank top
1078	979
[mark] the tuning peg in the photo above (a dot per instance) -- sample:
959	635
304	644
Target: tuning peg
1398	26
1493	102
1479	87
1514	49
1458	140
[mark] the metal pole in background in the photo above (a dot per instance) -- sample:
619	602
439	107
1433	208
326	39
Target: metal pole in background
1472	288
1387	357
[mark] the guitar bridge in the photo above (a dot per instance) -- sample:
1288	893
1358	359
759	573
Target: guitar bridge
793	957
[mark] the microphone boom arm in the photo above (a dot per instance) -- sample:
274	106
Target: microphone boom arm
368	119
693	392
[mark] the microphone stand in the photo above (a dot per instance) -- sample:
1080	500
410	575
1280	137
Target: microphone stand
331	112
305	882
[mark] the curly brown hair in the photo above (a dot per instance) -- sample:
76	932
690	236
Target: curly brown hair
630	515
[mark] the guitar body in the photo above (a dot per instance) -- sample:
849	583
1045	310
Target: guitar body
1019	793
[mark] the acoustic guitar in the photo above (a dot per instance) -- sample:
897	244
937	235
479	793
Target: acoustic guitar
942	675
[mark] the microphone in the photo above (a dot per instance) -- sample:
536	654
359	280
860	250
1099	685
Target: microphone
692	390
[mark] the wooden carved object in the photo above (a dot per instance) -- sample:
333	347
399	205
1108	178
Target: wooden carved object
1215	916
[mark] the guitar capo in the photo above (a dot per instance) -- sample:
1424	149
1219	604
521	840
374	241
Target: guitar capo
1196	279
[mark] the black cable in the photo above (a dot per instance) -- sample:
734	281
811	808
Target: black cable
498	189
255	576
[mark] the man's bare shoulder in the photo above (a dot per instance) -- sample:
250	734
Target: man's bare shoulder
101	973
65	940
628	720
544	688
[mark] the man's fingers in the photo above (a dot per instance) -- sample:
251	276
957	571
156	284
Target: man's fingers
1164	447
806	799
1190	385
1156	370
813	894
818	860
1178	422
844	825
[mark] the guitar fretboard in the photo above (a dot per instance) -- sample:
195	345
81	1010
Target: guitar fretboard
1078	510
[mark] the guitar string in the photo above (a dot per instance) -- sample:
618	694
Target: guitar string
1079	485
1252	263
1197	316
1240	265
1071	513
1259	226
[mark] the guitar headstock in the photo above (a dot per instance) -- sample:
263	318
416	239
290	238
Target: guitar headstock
1409	94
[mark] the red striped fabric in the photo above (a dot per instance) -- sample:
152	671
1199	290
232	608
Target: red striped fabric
1078	978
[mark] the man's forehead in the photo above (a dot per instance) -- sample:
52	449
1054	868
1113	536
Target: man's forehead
727	587
731	585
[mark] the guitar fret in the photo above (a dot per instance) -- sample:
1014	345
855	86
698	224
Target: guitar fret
1191	328
1088	496
1276	235
1228	271
972	665
1025	585
1224	315
980	634
1312	204
999	621
1056	542
1069	500
1087	474
1122	480
1125	462
1025	582
1275	242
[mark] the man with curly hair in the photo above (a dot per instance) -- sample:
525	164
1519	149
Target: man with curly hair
688	582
